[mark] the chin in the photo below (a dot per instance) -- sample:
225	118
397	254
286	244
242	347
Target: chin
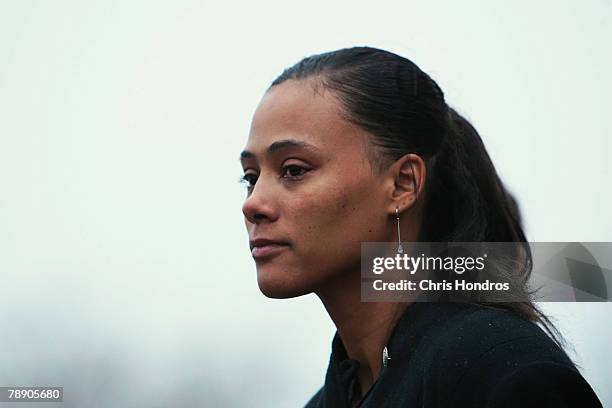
277	287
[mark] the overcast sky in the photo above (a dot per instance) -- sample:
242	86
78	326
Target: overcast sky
126	274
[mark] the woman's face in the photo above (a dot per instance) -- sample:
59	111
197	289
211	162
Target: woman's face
310	188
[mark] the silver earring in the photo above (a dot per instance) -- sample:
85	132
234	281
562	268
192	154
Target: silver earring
399	237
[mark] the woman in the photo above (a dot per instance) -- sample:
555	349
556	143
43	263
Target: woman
341	145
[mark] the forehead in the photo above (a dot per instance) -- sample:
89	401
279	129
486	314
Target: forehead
294	110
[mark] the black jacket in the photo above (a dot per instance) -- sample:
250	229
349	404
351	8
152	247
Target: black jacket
461	355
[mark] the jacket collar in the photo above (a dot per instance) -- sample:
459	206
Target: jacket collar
341	380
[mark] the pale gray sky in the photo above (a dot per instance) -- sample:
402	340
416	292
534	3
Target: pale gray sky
124	259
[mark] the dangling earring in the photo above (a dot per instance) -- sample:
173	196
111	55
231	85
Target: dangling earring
399	237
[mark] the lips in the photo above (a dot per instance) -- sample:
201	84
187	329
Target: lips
265	247
260	242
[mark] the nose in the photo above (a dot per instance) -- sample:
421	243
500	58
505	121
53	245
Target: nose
258	206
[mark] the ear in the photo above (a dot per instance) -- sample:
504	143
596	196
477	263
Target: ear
408	175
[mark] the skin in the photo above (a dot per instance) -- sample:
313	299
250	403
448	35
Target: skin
324	201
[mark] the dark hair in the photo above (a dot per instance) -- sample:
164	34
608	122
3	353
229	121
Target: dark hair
405	112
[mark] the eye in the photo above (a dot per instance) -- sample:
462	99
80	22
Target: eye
293	171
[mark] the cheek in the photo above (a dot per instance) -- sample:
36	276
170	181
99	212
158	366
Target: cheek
326	230
333	225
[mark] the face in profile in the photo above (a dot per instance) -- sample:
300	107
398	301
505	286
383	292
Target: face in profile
312	195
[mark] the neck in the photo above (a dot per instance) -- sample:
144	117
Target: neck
363	327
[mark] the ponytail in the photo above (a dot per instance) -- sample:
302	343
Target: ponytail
464	188
467	202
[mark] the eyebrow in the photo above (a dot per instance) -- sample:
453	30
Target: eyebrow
281	145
